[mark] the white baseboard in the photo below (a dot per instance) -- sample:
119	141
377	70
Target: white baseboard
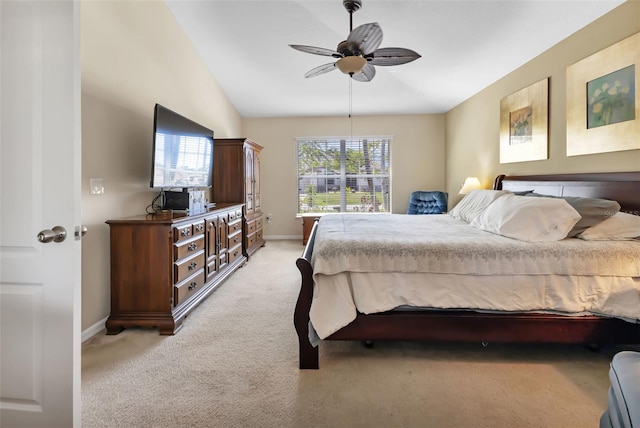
283	237
93	330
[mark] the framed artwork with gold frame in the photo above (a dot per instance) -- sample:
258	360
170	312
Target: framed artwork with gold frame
524	117
603	100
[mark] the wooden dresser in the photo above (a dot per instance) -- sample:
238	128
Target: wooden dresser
163	265
234	159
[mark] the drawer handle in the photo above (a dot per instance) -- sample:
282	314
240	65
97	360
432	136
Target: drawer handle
235	253
199	227
192	246
193	286
185	232
193	265
235	227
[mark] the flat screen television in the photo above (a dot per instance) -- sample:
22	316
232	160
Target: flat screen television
182	152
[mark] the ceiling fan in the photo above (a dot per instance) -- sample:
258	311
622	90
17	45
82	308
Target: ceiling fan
357	55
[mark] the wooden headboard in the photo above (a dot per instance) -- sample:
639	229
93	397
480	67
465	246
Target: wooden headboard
623	187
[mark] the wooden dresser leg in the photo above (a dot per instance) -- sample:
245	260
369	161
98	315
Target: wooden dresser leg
113	327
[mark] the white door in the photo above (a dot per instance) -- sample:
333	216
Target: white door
39	189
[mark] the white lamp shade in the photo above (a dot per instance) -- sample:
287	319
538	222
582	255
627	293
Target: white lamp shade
470	183
351	64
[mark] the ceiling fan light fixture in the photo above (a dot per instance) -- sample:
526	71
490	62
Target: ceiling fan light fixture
359	54
351	64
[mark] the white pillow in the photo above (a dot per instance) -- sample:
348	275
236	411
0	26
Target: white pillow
475	203
528	219
619	227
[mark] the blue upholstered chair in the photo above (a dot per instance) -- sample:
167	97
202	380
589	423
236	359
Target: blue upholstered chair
428	202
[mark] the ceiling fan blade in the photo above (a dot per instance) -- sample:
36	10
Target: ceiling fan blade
393	56
321	69
365	39
366	75
317	51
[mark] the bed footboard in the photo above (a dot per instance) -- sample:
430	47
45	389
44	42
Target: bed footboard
308	353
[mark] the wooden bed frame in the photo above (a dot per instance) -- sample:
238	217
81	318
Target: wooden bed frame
462	326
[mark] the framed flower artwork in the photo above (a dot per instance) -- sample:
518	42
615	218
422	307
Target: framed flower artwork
524	124
603	100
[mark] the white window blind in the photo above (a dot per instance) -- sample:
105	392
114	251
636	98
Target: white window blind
344	174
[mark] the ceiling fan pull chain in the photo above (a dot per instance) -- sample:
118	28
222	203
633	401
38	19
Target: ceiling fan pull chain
351	105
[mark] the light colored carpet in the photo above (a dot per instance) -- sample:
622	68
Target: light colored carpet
235	364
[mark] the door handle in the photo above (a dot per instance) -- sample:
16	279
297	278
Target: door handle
80	231
57	234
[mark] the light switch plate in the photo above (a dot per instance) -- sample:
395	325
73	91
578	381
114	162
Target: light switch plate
96	186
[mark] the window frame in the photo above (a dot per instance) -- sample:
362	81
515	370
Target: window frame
361	186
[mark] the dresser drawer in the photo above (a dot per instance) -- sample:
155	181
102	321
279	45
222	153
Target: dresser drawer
186	248
234	239
251	240
235	214
259	222
198	228
187	231
234	253
251	226
235	225
188	288
186	267
182	233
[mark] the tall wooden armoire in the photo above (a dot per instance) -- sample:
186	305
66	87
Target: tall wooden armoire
236	178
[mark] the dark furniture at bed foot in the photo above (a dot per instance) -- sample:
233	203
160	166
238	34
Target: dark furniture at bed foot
308	220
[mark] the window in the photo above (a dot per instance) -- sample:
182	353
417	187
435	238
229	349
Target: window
344	175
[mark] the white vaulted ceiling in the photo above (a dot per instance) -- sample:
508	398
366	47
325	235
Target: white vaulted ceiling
465	46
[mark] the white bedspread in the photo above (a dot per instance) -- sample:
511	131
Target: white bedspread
440	262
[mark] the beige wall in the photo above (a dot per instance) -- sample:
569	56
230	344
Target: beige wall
472	128
133	55
417	158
